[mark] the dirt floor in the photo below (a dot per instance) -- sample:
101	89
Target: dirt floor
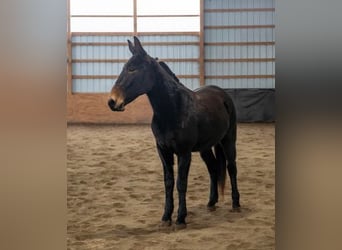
116	193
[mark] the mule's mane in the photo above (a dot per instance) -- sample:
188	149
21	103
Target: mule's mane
170	73
168	70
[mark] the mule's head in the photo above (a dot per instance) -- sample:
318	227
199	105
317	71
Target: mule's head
135	79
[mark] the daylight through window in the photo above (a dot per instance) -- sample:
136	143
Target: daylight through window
134	15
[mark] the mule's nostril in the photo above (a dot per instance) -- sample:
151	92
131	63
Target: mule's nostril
116	106
111	103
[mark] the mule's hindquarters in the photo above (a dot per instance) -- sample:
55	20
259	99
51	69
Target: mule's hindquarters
223	137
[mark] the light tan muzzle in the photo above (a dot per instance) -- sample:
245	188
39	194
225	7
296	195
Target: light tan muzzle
116	100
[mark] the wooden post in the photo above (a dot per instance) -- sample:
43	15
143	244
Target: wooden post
135	18
201	45
69	51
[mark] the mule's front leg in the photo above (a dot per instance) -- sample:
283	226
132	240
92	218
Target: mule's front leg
167	160
182	183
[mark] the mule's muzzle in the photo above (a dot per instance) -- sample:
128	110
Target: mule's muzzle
114	106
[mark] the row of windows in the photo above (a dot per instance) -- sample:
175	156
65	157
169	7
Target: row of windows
117	15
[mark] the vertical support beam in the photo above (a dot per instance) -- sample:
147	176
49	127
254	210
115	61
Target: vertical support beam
69	51
135	18
201	45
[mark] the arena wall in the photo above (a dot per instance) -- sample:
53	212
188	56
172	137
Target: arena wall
234	49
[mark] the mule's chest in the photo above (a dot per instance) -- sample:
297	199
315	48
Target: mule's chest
177	139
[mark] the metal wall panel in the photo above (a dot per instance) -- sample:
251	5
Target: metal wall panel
239	18
238	68
173	51
84	50
228	26
230	4
92	85
236	52
96	68
262	83
239	35
100	52
169	38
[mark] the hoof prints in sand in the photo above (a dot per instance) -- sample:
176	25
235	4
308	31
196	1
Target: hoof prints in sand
116	193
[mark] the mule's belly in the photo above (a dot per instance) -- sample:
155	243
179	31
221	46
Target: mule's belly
194	137
211	133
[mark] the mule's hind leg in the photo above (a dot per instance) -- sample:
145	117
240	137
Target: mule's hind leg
209	159
229	147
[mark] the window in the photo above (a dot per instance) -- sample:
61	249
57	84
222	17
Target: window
120	16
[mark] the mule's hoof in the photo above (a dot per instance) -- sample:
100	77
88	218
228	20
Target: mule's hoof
180	226
235	210
211	208
164	224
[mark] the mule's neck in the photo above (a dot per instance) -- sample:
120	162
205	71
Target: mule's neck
167	97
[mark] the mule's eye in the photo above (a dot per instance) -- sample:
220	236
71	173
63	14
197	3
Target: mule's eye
131	68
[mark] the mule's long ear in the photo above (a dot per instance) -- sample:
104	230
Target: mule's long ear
131	47
138	48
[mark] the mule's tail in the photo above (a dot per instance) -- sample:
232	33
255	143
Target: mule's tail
219	151
229	104
222	170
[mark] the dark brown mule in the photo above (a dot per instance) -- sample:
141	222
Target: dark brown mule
184	121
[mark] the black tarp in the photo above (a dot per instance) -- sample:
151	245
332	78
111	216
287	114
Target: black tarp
254	105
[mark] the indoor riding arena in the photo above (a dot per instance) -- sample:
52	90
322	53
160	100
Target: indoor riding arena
116	192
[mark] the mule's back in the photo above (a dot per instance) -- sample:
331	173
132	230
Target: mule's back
214	101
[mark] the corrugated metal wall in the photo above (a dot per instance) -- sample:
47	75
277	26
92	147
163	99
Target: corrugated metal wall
91	58
239	43
98	59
